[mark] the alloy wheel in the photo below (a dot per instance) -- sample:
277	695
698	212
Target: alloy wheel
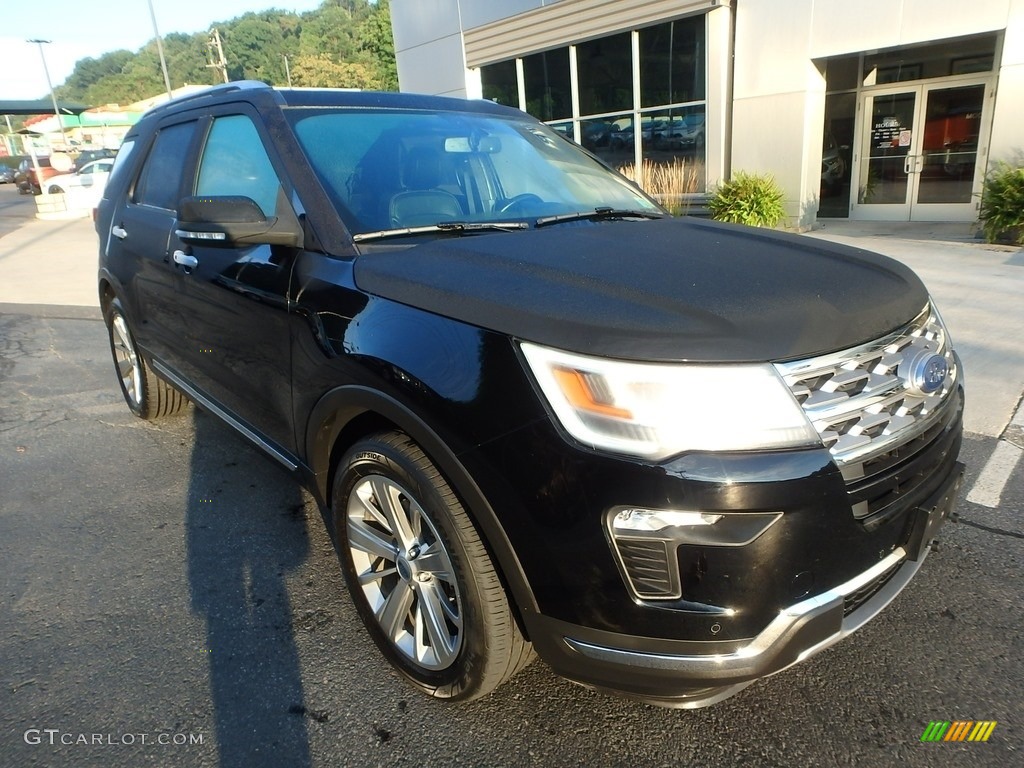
405	572
127	359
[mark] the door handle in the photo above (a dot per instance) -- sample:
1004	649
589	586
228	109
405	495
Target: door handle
119	232
185	260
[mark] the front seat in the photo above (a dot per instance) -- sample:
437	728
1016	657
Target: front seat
423	207
422	202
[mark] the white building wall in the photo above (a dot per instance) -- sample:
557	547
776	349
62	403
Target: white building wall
778	101
778	92
1008	118
429	46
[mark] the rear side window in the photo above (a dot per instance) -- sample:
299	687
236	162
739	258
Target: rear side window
236	163
159	183
120	164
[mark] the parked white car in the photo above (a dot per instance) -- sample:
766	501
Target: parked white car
84	188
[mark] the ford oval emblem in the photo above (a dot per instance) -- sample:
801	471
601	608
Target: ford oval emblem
930	373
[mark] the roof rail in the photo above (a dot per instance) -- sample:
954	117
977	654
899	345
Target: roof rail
213	90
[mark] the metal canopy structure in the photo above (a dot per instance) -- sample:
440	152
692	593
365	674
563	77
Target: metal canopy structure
39	107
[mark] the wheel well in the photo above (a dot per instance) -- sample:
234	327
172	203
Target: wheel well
106	295
366	423
369	422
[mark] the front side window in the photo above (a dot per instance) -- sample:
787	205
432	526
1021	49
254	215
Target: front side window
235	163
159	183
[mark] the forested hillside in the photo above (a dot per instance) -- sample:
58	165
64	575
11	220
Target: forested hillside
342	44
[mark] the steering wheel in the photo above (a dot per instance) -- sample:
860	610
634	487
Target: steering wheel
512	202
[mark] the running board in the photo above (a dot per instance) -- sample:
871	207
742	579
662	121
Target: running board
223	415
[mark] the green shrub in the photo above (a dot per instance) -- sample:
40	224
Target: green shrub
748	199
1002	203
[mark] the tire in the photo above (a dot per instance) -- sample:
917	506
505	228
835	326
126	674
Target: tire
55	190
421	578
148	396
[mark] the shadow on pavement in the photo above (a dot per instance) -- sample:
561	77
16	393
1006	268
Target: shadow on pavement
245	531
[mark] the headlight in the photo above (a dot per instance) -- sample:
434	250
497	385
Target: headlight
656	410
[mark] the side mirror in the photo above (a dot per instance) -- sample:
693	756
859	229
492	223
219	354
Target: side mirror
236	220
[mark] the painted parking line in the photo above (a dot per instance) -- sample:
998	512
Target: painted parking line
988	488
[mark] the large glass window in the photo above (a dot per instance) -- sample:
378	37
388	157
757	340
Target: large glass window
500	83
964	56
605	73
668	130
672	62
836	154
548	92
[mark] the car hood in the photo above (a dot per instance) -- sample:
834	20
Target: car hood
670	289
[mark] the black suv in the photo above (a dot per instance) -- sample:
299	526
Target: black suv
672	456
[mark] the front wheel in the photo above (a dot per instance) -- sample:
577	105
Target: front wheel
421	578
148	396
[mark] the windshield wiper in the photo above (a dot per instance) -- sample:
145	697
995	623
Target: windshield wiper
443	226
599	213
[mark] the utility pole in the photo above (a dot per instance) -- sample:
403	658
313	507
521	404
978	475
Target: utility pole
216	57
287	69
160	50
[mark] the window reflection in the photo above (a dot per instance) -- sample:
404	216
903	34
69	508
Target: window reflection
548	93
950	57
950	152
500	83
673	143
604	70
672	62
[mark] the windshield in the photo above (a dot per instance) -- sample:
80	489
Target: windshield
392	169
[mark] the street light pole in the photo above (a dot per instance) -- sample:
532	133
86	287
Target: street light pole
56	114
49	84
160	49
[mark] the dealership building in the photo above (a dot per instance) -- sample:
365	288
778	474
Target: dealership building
879	109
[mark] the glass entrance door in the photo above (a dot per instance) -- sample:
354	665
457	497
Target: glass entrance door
919	153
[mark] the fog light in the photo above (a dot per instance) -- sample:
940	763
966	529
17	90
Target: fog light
652	520
645	542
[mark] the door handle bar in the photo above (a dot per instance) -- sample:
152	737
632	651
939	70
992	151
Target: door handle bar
185	260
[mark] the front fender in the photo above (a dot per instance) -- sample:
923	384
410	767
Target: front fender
339	407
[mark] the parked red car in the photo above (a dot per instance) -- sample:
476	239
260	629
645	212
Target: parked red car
26	178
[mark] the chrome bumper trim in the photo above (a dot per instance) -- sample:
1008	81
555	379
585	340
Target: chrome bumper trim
778	646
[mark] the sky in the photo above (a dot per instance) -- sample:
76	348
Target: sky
80	28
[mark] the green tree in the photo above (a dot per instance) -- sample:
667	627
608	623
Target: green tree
377	42
321	71
343	43
89	71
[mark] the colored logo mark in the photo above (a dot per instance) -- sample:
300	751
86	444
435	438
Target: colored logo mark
958	730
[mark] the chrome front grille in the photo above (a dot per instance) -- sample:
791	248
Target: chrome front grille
868	400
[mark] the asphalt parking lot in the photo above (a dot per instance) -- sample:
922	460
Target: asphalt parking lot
169	583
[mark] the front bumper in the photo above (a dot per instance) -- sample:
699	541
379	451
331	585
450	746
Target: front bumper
700	674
